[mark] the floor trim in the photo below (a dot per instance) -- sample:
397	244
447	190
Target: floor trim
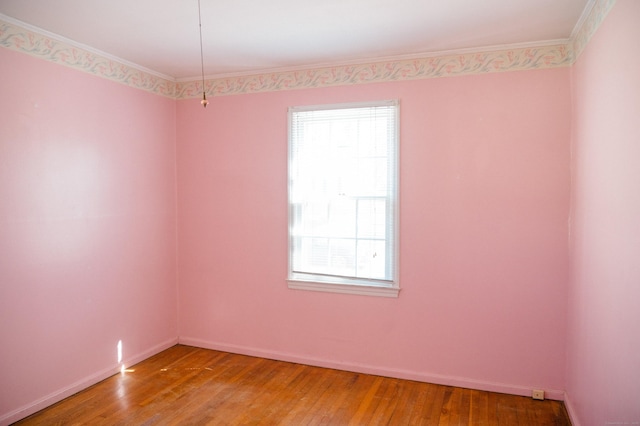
67	391
463	382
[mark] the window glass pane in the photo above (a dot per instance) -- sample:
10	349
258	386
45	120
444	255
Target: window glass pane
371	258
372	219
342	191
342	257
371	175
313	254
342	218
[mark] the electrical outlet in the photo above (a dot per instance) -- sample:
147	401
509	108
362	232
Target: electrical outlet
537	394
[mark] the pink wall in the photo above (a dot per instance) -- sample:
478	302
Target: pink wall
88	238
603	384
484	260
87	229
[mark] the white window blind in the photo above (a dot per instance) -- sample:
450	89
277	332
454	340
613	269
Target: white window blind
343	193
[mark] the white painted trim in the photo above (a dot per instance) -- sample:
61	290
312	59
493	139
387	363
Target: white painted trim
426	377
573	415
363	290
583	17
60	394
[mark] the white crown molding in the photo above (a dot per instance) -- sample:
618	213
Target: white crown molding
431	67
89	49
589	25
583	17
381	59
23	37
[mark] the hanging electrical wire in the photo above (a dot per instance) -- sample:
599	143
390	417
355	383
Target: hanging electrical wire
204	100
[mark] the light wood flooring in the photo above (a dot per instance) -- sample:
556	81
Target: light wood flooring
191	386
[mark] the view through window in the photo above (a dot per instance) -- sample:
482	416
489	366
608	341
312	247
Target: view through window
343	194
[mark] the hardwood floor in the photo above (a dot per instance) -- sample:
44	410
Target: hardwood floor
191	386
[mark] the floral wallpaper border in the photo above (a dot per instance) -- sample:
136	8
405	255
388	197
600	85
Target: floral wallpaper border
432	67
519	59
589	27
22	40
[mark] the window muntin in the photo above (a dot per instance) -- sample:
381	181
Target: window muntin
343	194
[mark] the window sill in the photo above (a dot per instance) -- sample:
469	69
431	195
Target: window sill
364	290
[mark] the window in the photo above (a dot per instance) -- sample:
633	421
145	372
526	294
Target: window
343	198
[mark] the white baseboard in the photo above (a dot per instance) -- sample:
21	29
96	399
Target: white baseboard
379	371
59	395
573	416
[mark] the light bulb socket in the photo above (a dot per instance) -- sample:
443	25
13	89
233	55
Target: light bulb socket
204	100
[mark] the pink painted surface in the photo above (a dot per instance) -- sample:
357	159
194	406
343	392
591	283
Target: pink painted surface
603	380
87	229
484	260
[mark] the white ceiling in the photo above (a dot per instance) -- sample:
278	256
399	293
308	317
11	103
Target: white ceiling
244	36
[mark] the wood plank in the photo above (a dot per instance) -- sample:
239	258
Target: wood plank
187	385
479	408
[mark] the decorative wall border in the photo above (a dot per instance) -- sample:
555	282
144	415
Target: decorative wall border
432	67
599	11
17	38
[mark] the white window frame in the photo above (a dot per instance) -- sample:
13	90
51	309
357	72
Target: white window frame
338	284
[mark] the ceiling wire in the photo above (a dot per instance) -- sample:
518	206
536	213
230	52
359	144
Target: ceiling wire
204	100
